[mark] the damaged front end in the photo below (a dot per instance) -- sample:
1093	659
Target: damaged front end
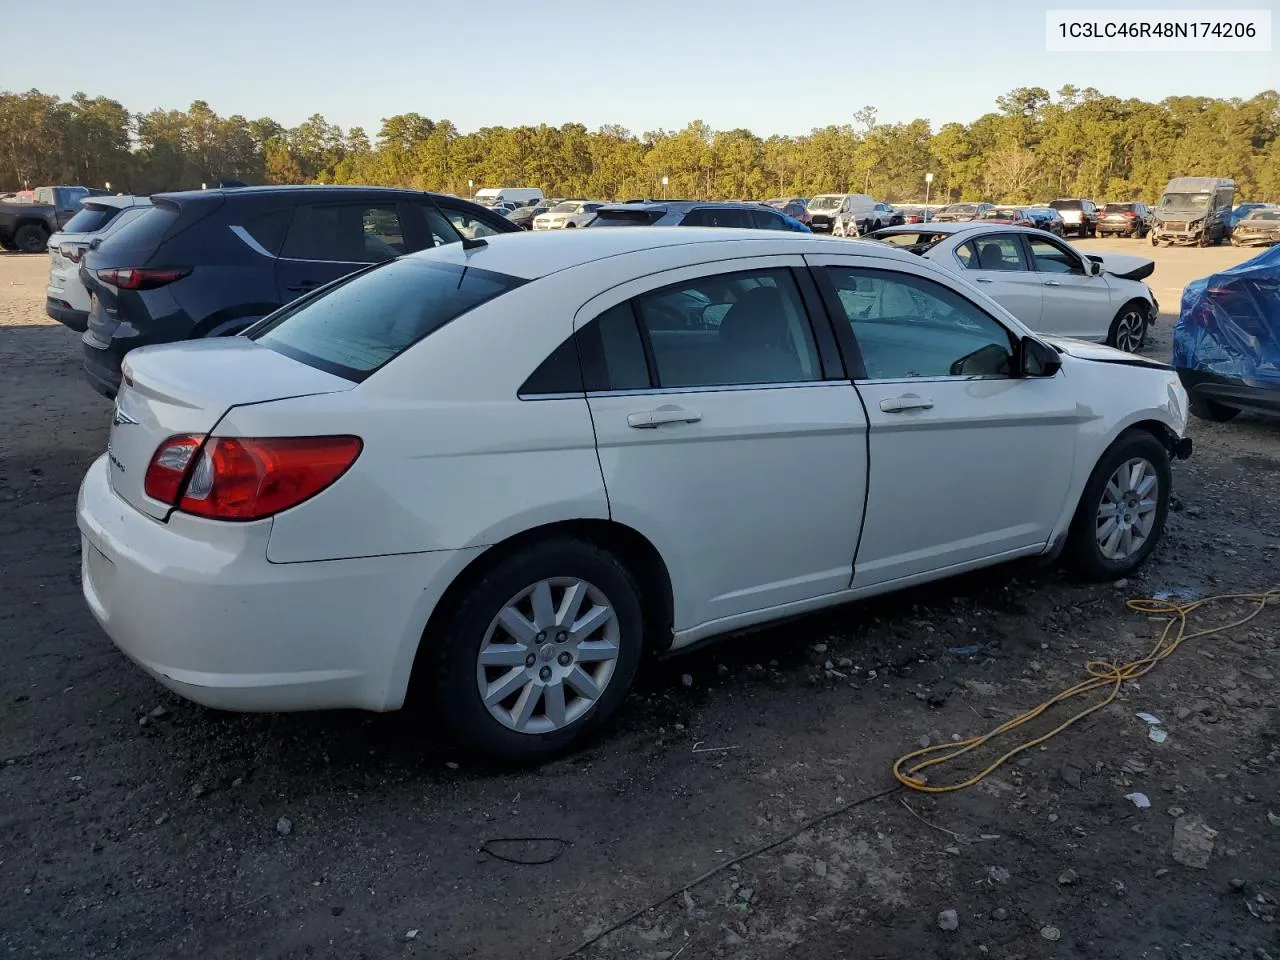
1244	236
1179	229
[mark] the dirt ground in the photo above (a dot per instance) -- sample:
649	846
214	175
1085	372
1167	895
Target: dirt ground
133	824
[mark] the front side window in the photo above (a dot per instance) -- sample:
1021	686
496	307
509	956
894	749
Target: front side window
1051	258
907	327
355	327
995	252
729	329
344	233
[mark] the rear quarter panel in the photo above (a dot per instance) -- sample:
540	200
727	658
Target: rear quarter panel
453	458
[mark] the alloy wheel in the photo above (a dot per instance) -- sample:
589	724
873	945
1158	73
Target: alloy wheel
1127	512
548	655
1129	330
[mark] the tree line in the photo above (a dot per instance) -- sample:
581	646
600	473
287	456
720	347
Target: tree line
1034	146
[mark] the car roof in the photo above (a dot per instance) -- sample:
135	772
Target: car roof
951	229
683	204
119	202
528	256
300	190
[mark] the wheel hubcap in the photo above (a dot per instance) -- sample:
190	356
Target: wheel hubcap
548	655
1127	512
1129	332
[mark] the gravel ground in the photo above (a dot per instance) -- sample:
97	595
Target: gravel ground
133	824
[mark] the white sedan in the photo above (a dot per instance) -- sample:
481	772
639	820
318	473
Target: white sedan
1041	279
496	475
568	214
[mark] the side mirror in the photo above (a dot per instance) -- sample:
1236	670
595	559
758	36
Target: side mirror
1092	267
1037	359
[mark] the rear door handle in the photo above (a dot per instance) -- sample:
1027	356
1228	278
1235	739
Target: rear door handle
983	279
908	401
649	419
1053	283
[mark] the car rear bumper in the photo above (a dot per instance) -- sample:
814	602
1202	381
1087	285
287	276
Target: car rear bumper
66	314
1231	393
198	606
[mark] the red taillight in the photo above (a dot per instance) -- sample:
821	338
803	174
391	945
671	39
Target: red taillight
72	251
141	278
169	467
239	478
1130	216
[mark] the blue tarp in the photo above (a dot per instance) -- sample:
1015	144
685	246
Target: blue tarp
1229	325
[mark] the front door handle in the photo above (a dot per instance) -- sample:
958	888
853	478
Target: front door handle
983	279
649	419
908	401
1053	283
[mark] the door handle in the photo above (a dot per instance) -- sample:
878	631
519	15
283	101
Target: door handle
983	279
1053	283
908	401
650	419
304	286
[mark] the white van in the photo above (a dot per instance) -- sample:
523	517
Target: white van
837	213
519	196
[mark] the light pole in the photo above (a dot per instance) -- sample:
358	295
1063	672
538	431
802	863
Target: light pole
471	191
928	182
664	188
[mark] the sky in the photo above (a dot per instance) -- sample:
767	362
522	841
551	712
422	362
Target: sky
771	67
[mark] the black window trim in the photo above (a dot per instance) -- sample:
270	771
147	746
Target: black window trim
849	342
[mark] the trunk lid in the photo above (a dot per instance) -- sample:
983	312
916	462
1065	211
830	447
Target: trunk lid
186	388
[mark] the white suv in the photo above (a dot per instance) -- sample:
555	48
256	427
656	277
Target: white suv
570	213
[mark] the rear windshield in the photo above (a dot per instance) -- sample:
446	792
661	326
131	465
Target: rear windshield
961	208
90	219
1065	204
917	241
626	218
1118	208
146	230
1263	215
353	328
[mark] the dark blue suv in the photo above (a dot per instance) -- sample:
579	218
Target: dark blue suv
209	263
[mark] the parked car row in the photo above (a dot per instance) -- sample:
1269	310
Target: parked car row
360	501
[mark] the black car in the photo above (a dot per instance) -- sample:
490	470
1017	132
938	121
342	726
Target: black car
522	217
694	213
1046	218
1131	219
209	263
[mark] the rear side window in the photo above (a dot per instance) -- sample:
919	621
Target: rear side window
355	327
344	233
268	228
626	218
90	219
717	217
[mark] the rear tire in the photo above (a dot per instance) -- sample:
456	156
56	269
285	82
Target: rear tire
1111	496
453	668
1211	410
31	238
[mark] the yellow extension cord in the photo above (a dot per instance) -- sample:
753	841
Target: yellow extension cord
1102	673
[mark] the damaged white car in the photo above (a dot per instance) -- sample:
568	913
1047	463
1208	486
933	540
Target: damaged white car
1042	280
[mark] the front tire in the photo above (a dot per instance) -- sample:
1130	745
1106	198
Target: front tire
539	653
1128	330
1121	515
